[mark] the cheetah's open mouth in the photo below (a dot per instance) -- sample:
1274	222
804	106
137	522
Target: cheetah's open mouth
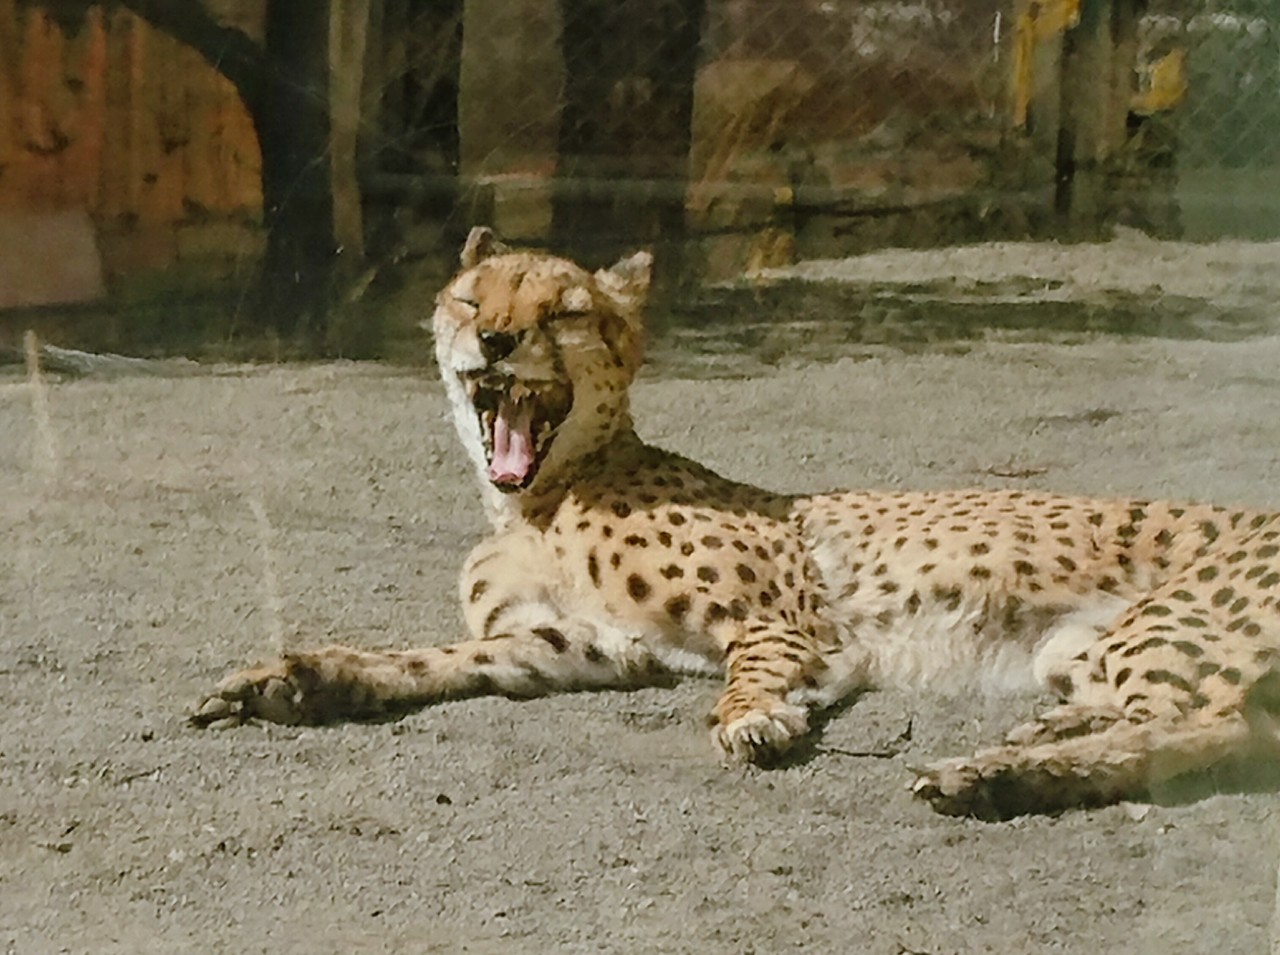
518	421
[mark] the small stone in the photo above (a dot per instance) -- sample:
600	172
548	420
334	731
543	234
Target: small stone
1136	811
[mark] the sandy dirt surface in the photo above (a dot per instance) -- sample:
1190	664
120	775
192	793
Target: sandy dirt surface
160	531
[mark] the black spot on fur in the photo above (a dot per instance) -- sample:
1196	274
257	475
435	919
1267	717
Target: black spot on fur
492	617
949	597
677	607
553	637
1169	678
638	588
1148	644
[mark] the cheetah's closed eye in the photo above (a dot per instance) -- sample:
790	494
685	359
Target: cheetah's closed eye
614	563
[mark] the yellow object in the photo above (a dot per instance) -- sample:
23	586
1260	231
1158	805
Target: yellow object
1036	22
1163	82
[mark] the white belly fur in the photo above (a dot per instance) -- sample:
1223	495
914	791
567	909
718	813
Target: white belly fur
960	651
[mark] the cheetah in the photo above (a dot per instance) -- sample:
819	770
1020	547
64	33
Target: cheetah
613	563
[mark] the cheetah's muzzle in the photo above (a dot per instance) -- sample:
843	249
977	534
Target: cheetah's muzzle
518	421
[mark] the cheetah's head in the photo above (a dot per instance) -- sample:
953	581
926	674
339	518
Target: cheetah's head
537	355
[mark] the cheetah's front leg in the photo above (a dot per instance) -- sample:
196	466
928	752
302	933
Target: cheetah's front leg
754	720
337	682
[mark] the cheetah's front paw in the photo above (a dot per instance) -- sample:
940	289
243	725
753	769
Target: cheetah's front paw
270	692
761	734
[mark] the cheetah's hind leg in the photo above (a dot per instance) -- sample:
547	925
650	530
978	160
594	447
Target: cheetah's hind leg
1064	722
1125	760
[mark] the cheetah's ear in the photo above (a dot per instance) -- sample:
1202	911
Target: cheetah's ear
482	242
627	281
627	284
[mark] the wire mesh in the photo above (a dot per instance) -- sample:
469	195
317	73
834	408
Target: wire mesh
834	125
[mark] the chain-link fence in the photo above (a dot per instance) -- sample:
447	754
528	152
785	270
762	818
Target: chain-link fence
1220	62
771	129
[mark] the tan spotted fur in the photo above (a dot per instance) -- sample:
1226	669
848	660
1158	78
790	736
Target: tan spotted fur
619	564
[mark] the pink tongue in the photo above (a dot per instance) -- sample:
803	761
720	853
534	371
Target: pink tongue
512	444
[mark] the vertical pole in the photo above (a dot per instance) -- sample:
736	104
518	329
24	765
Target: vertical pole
348	35
1090	131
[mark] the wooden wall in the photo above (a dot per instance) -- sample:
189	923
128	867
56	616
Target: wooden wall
113	117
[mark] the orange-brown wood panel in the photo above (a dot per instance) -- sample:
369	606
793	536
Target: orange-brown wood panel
9	46
120	119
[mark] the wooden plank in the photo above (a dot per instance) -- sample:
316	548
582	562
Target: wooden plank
348	23
85	75
10	194
164	126
1092	114
114	200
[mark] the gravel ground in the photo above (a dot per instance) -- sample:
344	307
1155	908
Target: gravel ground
160	531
